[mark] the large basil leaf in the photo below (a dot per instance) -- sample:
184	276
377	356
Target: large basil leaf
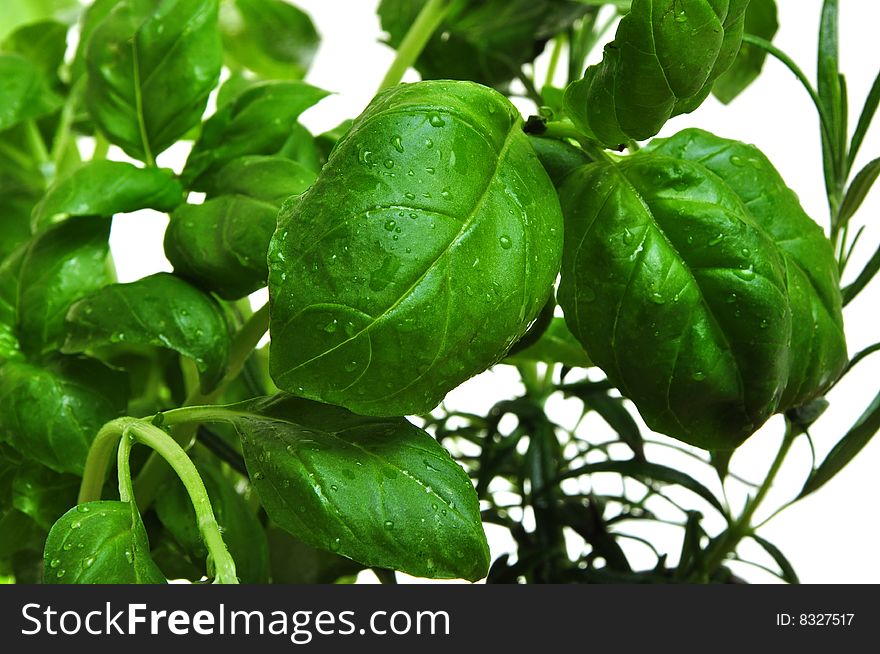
258	121
52	413
486	42
25	91
47	274
678	295
428	244
558	157
818	345
761	21
270	37
160	310
105	188
377	490
221	245
42	494
242	531
100	543
270	179
663	60
152	65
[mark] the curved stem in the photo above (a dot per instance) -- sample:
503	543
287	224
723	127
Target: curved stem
168	449
123	467
99	457
423	27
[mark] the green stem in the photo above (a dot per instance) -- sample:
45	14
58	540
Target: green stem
728	541
123	467
558	42
424	26
102	147
99	457
36	144
218	555
565	129
65	123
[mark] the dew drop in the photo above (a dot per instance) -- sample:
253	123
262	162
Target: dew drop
657	298
764	324
736	160
61	573
129	556
82	508
331	326
698	376
351	366
715	241
730	299
505	241
430	170
388	524
389	163
745	274
436	121
67	547
335	544
54	563
429	143
410	196
76	524
397	142
89	562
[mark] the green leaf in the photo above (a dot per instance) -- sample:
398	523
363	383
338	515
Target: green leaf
42	494
662	63
270	37
49	273
846	449
556	345
377	490
258	121
390	289
643	470
614	413
105	188
100	543
787	570
486	42
269	179
43	44
93	16
858	191
864	278
151	68
160	310
865	119
761	20
25	91
221	245
242	532
51	414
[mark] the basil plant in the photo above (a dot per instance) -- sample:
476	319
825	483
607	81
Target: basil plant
673	287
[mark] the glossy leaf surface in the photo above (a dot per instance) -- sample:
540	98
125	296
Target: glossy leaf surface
100	543
377	490
152	65
428	244
160	310
663	60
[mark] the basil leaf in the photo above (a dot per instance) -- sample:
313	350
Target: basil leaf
52	413
662	63
160	310
294	562
270	179
558	157
151	67
25	91
377	490
47	274
388	289
817	352
42	494
760	20
100	543
258	121
669	292
93	16
221	245
242	532
486	42
270	37
105	188
21	12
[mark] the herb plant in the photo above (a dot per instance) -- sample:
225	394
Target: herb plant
406	251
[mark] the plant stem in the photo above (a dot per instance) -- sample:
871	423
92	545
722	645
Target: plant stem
730	538
218	555
123	467
102	146
65	122
424	26
558	42
99	457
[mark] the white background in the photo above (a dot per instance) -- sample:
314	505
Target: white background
832	536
